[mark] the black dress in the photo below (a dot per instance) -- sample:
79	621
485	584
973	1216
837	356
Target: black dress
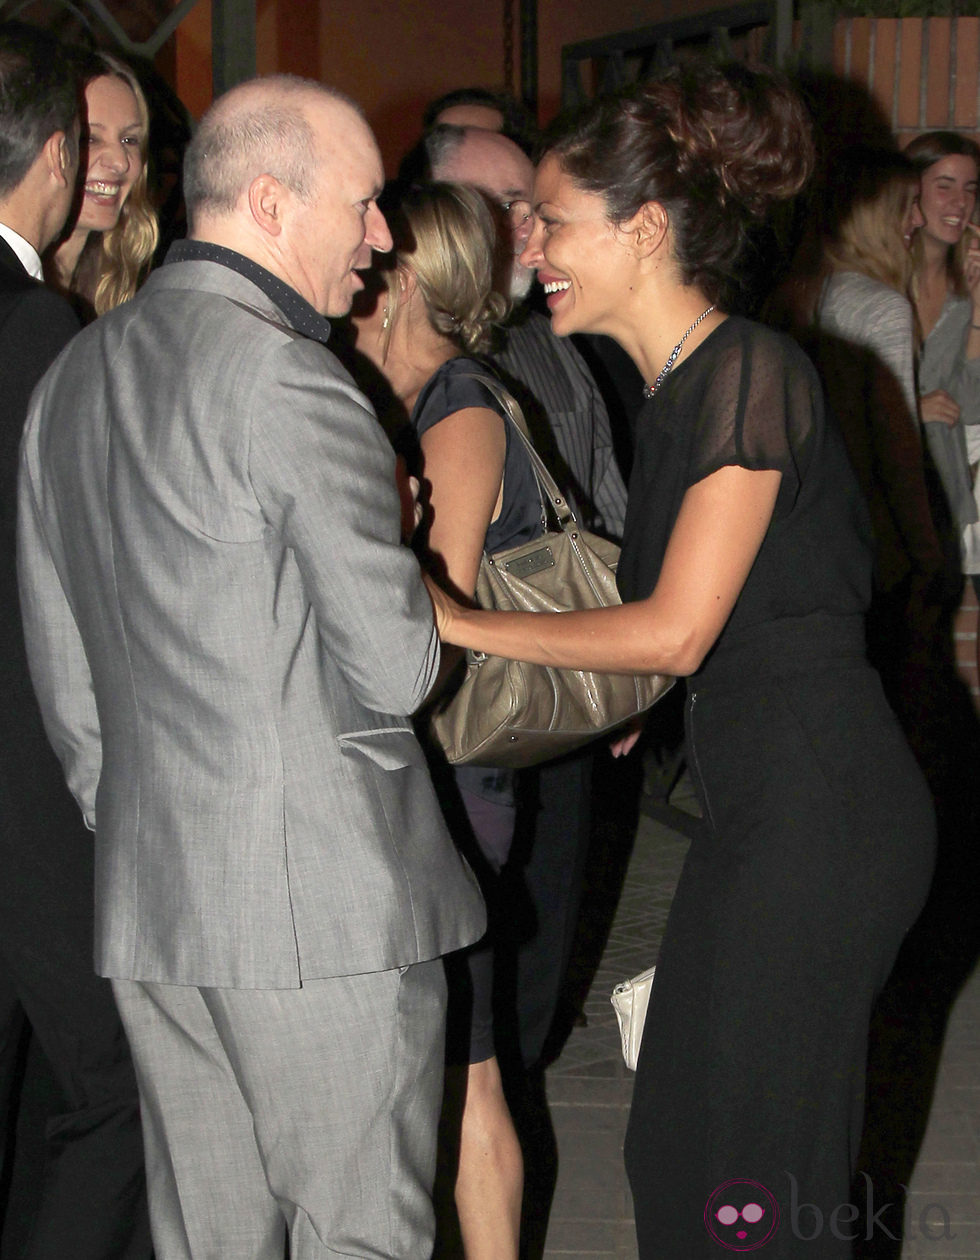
818	841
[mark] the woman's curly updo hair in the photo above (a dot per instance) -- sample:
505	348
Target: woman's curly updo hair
446	235
716	146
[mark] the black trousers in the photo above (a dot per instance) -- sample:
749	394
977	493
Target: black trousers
91	1202
549	861
814	862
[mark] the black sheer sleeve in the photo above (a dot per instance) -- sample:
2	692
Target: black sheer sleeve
756	412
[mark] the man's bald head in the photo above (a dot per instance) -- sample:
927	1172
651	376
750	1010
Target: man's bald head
489	161
260	127
287	173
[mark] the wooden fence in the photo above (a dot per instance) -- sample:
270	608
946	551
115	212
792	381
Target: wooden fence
923	73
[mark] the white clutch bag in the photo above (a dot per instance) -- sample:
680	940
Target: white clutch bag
630	999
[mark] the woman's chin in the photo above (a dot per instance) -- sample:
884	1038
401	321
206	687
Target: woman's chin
99	218
563	320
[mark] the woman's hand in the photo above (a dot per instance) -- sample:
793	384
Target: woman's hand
625	741
938	407
443	606
971	270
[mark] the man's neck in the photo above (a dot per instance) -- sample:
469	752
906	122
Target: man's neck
22	219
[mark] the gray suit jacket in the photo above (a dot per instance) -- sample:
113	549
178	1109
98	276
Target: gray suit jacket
225	635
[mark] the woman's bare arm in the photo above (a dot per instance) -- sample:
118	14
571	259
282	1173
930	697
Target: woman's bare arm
463	464
716	538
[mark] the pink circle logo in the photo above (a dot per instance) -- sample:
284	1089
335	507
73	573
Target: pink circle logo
741	1215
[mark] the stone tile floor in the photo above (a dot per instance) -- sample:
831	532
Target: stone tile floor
588	1088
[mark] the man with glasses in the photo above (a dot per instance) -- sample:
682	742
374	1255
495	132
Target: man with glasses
563	406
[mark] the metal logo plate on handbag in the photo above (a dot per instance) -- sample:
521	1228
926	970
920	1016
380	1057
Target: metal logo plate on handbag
533	562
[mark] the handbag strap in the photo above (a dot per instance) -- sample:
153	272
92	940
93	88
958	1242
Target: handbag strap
547	486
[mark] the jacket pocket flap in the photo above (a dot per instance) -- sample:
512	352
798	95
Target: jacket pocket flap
391	747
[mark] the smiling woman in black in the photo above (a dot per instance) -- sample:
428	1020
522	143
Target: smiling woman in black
746	569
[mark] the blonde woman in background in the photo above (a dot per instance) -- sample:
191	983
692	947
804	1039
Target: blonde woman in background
107	251
866	349
847	302
434	314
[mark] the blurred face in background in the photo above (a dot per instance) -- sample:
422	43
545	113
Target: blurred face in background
948	197
502	170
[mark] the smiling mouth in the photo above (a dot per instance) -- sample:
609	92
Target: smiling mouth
99	188
556	286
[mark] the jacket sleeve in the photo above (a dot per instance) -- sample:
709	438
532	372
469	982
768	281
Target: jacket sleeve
324	475
58	664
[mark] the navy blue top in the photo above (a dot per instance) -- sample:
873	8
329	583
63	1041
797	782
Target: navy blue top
453	389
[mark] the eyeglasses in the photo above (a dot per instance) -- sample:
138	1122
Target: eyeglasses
517	211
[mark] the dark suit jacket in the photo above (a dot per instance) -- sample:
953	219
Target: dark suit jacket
34	326
46	892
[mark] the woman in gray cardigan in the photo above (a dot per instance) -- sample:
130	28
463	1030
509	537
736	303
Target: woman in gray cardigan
850	308
847	302
946	292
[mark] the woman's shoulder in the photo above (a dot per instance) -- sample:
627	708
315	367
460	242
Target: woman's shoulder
753	403
743	368
862	297
457	384
742	345
864	310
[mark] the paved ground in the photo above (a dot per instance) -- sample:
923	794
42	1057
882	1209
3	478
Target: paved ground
588	1087
925	1086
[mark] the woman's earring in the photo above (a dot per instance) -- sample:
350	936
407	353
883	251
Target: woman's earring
386	317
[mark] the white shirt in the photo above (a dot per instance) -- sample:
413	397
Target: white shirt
24	250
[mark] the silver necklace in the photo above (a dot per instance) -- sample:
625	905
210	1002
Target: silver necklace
650	390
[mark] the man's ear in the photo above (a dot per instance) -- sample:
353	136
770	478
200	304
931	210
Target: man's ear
267	202
647	229
59	159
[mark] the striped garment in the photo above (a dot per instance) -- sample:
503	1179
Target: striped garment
567	419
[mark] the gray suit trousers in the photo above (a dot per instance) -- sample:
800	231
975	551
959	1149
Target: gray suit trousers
312	1111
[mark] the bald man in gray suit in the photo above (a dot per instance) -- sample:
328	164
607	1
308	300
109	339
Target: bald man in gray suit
226	636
